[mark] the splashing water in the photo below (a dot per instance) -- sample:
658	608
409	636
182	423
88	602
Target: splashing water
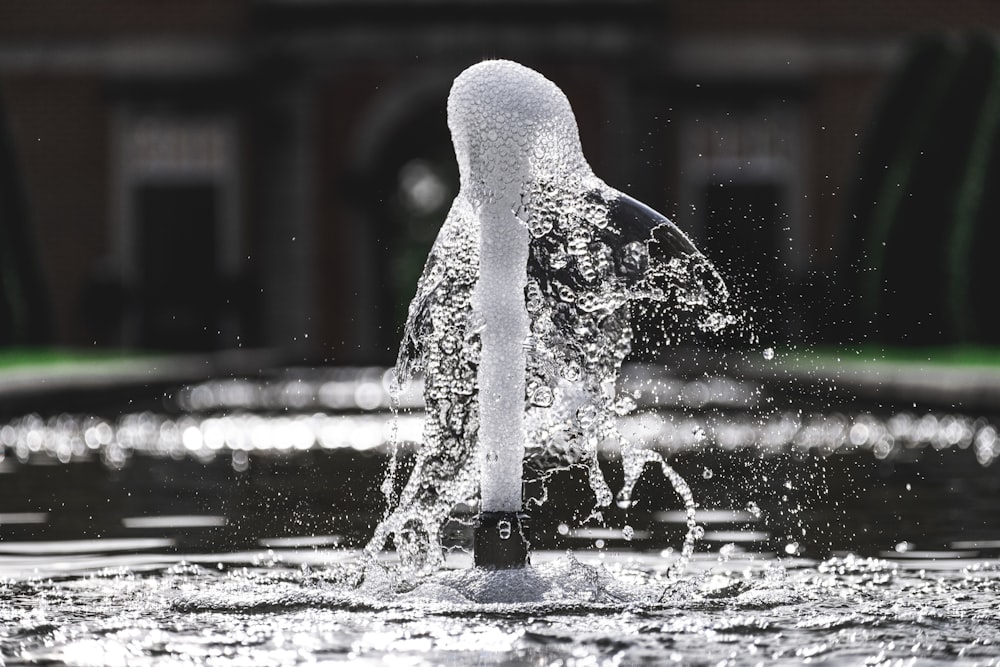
591	253
847	610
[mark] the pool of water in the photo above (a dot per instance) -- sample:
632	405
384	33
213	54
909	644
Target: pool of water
220	524
280	607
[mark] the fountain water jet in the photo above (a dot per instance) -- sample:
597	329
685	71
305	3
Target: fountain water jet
521	318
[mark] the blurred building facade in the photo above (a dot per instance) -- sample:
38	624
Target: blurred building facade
271	173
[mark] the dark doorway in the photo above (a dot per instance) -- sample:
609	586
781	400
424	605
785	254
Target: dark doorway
415	184
179	279
742	224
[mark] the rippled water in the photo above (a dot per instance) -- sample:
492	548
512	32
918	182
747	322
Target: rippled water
222	525
282	608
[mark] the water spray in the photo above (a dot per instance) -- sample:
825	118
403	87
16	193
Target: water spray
521	320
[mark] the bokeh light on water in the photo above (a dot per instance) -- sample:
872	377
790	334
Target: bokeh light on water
347	409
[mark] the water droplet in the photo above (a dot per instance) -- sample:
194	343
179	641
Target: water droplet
566	294
602	258
241	461
707	473
769	353
540	225
542	397
534	300
504	529
587	415
448	344
572	371
587	302
628	533
625	405
634	257
579	242
558	260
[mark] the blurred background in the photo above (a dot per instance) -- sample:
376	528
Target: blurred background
190	176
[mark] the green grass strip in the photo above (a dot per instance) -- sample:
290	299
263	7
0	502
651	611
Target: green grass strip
944	355
22	357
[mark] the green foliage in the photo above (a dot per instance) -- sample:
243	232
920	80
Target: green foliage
922	214
975	232
903	117
983	356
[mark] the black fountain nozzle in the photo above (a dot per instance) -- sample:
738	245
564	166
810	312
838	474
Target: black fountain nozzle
500	541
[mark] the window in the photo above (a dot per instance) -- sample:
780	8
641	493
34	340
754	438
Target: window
741	190
178	232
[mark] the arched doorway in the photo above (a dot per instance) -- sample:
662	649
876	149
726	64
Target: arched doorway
417	180
409	180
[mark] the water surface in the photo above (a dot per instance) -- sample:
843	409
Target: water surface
221	524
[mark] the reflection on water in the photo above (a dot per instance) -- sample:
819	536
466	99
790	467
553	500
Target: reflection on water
226	464
830	536
345	408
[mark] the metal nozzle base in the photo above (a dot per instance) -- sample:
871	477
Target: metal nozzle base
500	541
